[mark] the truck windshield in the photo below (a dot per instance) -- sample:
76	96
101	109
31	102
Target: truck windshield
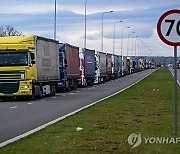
13	58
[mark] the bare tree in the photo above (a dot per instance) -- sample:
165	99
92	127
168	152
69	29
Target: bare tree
9	31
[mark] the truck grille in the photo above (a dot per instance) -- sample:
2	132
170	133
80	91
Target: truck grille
9	87
6	75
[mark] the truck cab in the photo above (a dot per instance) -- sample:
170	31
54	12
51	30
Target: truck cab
17	67
62	84
26	66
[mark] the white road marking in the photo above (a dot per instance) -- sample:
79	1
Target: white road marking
67	115
30	103
13	107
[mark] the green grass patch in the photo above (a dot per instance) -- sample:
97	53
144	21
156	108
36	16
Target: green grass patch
147	107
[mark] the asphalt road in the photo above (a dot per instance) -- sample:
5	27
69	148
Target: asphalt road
19	117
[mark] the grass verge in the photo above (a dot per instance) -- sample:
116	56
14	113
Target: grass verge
147	108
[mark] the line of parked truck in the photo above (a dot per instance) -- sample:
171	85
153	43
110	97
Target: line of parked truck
34	66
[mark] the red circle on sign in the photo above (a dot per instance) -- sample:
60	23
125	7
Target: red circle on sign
159	28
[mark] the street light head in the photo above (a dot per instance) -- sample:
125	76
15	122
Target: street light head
111	11
127	27
118	21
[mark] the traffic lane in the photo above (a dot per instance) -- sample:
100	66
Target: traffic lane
178	73
25	117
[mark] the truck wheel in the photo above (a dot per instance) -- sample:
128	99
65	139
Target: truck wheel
32	97
75	85
41	93
68	88
92	82
53	90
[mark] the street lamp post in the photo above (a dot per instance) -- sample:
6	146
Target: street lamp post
135	45
114	36
141	48
55	9
144	49
122	39
102	29
85	25
132	42
128	43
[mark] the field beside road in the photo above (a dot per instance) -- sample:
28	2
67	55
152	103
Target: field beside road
147	107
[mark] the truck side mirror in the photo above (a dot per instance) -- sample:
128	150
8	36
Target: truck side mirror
65	61
32	56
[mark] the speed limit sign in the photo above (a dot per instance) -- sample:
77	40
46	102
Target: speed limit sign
168	27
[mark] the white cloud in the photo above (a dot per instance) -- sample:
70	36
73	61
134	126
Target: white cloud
28	8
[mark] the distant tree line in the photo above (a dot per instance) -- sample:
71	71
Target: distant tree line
9	31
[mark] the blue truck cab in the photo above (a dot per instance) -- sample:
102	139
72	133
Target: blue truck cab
62	84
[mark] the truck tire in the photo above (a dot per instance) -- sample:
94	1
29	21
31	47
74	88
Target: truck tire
41	92
32	97
68	88
75	85
53	89
92	82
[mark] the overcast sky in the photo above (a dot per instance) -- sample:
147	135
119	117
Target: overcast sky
37	17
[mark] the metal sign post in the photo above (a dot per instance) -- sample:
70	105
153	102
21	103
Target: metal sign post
175	91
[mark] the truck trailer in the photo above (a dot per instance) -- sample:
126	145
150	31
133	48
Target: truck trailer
87	67
124	65
101	74
29	66
69	67
109	67
120	66
116	66
135	64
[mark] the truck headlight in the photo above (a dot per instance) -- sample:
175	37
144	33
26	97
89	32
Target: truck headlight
25	86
